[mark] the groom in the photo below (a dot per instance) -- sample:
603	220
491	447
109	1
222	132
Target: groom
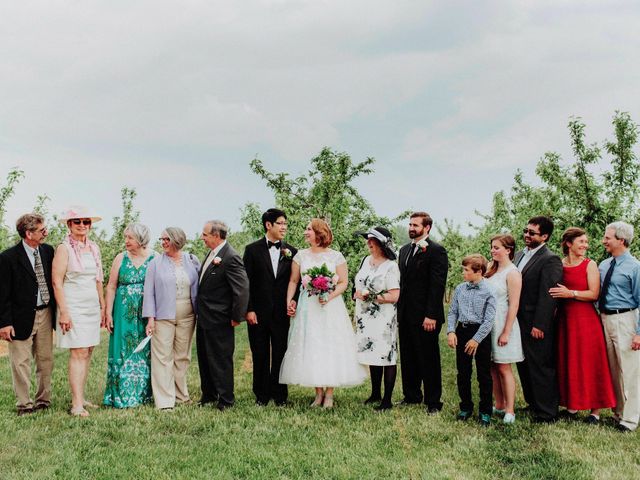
268	265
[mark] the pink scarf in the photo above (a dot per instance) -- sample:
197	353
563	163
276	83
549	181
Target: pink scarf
75	260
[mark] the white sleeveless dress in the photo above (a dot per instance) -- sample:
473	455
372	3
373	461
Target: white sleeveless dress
321	351
82	300
512	351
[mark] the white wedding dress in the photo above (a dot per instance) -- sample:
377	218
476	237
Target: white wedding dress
321	351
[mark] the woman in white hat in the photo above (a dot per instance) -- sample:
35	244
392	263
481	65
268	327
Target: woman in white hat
77	283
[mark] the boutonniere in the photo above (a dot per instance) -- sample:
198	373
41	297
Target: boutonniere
216	261
286	253
423	244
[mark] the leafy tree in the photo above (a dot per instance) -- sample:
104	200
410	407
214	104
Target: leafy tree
13	178
325	191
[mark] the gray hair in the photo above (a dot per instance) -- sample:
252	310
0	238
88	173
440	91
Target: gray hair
28	223
176	236
140	232
218	227
622	231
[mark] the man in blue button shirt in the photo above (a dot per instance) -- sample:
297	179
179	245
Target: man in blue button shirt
619	300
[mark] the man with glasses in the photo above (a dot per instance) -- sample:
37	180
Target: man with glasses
541	269
268	265
27	312
618	304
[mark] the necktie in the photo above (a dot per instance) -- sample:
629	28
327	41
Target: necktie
605	286
42	281
414	249
277	244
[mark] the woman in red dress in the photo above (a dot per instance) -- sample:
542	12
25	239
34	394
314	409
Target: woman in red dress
583	369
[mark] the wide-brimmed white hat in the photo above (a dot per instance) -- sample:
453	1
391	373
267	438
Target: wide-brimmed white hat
78	211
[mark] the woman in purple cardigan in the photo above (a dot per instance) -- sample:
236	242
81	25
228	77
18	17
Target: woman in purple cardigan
169	303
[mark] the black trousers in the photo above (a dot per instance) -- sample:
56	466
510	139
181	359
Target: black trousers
420	364
268	341
215	348
538	373
464	364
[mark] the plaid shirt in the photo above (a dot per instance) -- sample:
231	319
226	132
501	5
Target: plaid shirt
473	303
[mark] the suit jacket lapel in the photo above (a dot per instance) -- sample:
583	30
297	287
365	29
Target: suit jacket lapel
24	260
534	259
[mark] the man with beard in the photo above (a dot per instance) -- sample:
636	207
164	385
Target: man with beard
541	269
423	275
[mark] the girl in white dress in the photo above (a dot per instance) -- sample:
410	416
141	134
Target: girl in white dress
505	280
321	351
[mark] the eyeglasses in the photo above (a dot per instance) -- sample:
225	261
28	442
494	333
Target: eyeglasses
85	221
164	239
41	231
530	232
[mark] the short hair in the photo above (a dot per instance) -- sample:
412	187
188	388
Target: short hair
545	224
28	223
426	218
140	232
622	231
219	228
176	236
271	216
568	236
476	262
324	235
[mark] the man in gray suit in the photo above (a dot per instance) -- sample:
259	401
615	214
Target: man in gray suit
541	269
223	296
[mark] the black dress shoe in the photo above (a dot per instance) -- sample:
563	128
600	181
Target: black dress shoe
568	415
592	420
373	399
25	411
281	403
541	419
204	403
622	428
223	406
433	410
383	406
262	403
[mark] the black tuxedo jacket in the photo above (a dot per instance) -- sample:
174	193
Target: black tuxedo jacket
422	283
268	293
19	288
223	293
537	308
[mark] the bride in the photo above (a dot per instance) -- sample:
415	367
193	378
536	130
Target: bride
321	352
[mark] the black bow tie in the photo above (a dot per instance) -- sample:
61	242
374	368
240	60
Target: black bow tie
472	286
277	244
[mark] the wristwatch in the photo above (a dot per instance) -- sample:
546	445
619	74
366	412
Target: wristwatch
575	294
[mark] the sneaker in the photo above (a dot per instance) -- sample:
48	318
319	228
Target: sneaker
509	418
463	415
498	412
484	419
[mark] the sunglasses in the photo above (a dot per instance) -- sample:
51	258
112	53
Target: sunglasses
78	221
530	232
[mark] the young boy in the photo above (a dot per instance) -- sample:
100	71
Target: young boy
470	319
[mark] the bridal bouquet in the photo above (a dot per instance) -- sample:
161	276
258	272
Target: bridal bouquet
319	281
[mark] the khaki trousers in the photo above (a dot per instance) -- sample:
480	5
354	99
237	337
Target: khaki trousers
624	363
170	357
40	347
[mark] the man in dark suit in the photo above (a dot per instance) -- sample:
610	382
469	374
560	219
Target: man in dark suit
27	311
268	265
223	294
541	269
423	276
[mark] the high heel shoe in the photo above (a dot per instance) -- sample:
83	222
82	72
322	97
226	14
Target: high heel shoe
318	401
328	401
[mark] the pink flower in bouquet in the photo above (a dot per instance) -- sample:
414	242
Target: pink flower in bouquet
305	280
321	283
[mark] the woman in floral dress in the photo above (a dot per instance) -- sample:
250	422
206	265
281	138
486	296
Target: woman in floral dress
128	373
377	290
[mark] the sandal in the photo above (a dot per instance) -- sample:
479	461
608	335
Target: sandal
317	402
328	401
88	404
78	412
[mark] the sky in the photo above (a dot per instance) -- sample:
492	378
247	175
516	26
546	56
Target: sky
175	98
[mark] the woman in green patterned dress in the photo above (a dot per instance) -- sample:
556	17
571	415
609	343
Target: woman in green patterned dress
128	373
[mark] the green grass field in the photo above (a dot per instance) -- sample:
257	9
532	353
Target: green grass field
350	441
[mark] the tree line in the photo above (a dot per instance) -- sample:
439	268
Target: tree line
597	186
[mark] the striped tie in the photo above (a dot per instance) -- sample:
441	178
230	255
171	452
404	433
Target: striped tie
42	281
